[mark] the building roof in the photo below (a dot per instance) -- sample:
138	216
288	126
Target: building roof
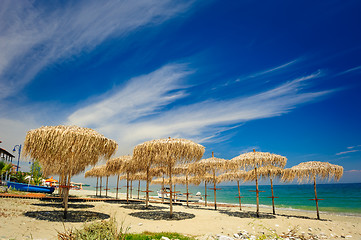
3	151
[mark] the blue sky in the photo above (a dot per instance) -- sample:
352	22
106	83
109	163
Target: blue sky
275	76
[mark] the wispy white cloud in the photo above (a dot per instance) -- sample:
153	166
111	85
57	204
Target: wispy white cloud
352	147
33	37
354	69
353	171
142	96
268	71
139	111
345	152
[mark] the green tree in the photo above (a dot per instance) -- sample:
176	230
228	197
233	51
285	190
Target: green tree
36	173
19	177
4	168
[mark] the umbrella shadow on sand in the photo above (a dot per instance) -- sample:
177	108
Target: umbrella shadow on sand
59	205
162	215
117	201
72	216
247	214
303	217
142	207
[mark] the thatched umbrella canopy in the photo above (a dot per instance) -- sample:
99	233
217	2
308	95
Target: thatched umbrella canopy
139	176
213	166
258	159
95	172
186	170
105	173
270	172
167	153
235	176
182	180
118	166
307	171
69	149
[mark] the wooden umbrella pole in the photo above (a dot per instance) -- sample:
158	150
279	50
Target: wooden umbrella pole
100	187
273	198
127	187
66	197
187	188
316	199
257	192
215	190
171	193
61	181
205	193
63	191
163	189
117	186
239	196
174	195
147	191
138	188
96	188
131	189
106	187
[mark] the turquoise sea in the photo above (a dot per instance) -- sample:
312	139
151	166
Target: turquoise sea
339	198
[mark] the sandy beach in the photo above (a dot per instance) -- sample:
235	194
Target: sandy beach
204	223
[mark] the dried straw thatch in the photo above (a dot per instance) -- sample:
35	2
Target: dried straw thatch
258	159
98	173
213	166
178	180
67	150
270	172
264	172
186	170
118	166
166	153
235	176
306	171
63	145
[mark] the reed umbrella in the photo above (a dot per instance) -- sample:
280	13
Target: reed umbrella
105	173
67	150
235	176
308	171
166	181
186	180
206	178
213	166
178	180
186	170
270	172
139	176
258	159
94	172
167	153
128	169
118	166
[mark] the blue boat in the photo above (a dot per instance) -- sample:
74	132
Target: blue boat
30	188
